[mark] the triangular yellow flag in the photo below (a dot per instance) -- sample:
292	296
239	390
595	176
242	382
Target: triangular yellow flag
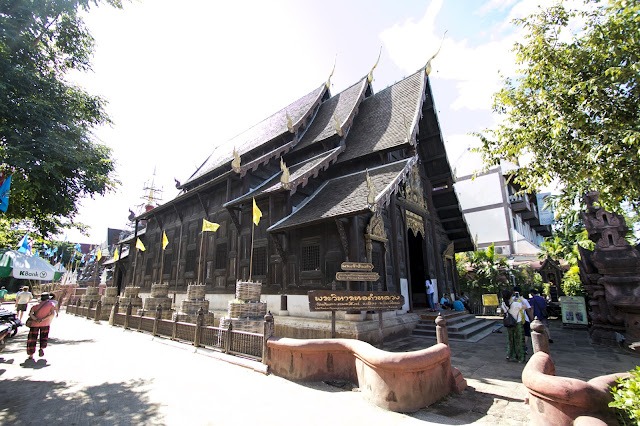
99	255
139	245
257	214
116	256
165	240
209	226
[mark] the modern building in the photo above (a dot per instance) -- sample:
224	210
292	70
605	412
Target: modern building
497	213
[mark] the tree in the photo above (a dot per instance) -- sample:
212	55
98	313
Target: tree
574	108
46	123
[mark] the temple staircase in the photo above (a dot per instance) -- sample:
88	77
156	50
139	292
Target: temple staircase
461	326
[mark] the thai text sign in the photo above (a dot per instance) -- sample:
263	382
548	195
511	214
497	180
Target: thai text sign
328	300
356	266
357	276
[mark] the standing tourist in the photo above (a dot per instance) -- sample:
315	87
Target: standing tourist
527	316
515	340
40	317
430	290
539	306
3	293
22	300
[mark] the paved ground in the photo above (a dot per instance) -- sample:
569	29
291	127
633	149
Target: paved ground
101	375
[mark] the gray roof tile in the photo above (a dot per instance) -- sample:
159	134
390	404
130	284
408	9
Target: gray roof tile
385	119
261	133
342	196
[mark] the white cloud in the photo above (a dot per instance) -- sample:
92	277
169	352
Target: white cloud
477	69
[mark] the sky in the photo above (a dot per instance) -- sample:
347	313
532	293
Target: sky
181	77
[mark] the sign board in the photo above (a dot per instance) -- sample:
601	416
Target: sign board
33	273
356	266
490	300
574	310
329	300
357	276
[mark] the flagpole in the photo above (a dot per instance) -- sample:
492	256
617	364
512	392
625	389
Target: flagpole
162	255
200	255
253	227
135	264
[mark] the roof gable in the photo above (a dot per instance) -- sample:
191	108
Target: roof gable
267	130
387	119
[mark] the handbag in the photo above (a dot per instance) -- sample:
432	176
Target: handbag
29	322
508	320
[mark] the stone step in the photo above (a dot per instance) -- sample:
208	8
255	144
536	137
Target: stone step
465	327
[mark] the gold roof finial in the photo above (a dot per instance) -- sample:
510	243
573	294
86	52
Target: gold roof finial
328	84
370	76
371	197
284	179
235	164
338	125
427	67
289	123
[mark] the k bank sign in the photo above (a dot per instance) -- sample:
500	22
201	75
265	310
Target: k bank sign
33	274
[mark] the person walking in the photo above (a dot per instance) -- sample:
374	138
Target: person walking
430	290
39	321
3	293
515	340
22	300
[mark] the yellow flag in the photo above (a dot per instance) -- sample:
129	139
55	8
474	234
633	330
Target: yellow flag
116	256
99	255
209	226
165	240
139	245
257	214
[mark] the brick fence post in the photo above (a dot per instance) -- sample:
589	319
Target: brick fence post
114	311
267	333
89	309
227	341
98	311
441	330
127	315
157	318
199	322
174	332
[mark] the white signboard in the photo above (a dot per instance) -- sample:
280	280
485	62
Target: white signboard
33	274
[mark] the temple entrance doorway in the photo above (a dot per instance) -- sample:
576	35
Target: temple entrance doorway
415	246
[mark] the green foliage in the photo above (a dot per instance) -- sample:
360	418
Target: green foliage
485	272
546	289
574	108
571	283
9	238
626	396
46	123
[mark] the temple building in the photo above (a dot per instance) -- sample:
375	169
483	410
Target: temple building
357	176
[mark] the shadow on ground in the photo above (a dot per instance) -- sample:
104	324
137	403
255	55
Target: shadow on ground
18	343
108	403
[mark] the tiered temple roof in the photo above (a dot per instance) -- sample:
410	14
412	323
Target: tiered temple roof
331	140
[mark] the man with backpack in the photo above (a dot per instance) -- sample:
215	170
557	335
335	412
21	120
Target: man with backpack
539	306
